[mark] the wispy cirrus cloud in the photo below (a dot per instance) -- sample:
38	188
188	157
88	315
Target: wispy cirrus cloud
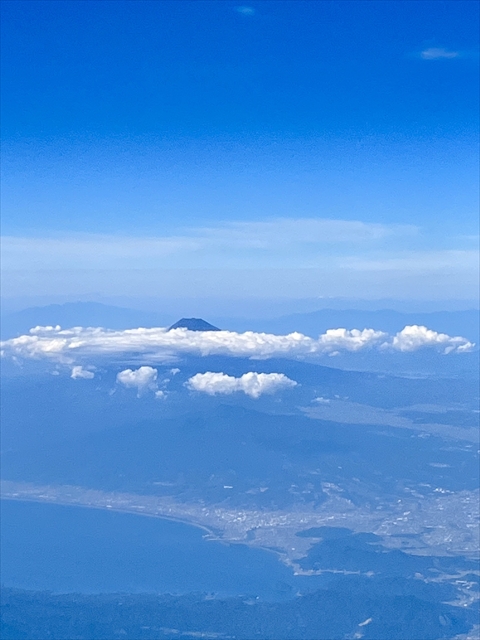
439	53
245	10
291	257
287	231
207	246
417	261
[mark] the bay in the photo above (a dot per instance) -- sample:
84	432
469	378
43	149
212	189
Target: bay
74	549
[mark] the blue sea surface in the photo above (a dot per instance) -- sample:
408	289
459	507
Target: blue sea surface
76	549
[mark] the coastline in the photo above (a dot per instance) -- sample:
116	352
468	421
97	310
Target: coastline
64	503
206	534
211	534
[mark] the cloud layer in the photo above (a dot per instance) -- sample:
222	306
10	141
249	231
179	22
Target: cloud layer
161	345
252	384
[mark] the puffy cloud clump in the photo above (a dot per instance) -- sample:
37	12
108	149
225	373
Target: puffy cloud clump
252	384
80	372
336	340
160	345
415	337
142	379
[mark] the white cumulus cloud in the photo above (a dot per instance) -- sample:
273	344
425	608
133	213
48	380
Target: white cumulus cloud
334	340
415	337
252	384
142	378
79	372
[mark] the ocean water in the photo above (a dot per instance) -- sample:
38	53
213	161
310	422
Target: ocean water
75	549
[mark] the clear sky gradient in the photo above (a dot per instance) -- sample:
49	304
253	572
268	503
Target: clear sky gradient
266	149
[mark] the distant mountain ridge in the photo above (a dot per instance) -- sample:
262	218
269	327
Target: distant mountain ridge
84	314
465	322
194	324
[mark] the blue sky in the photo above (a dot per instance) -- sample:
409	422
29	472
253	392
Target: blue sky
220	149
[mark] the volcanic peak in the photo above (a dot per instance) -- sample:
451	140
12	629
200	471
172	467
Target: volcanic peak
194	324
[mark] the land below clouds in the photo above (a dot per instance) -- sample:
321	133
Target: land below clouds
368	479
367	579
362	612
414	527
